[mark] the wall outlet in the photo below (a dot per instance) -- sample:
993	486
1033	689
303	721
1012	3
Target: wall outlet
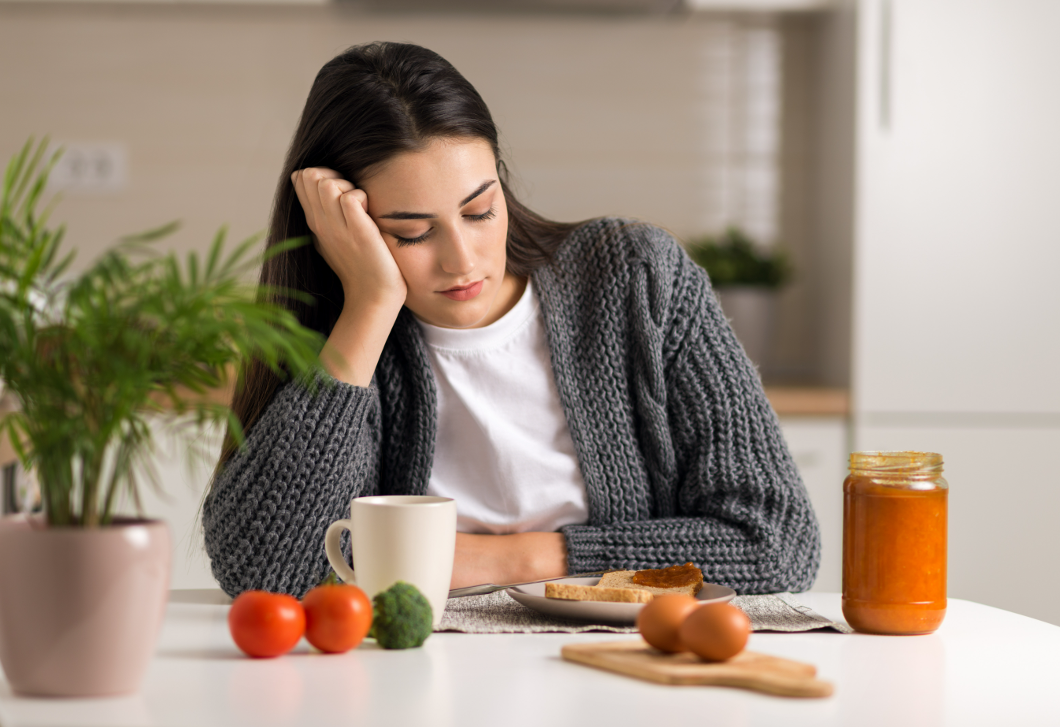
90	167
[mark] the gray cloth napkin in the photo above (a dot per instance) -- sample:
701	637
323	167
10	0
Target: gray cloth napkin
781	612
499	613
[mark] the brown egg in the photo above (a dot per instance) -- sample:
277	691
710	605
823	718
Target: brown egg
661	618
715	631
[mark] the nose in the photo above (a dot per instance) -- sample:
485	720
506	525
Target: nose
456	256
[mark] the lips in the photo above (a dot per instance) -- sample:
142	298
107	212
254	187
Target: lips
464	292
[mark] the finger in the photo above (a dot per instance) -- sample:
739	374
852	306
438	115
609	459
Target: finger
337	187
330	191
299	190
313	176
308	188
355	210
344	185
312	179
317	172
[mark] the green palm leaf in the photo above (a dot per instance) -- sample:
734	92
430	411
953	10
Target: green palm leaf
90	358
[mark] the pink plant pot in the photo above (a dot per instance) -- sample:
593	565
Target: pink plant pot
80	609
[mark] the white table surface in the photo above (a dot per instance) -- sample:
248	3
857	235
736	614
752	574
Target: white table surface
984	666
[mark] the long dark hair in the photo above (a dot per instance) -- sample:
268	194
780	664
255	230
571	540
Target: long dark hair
367	105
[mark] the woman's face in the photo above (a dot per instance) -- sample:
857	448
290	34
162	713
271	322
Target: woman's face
442	214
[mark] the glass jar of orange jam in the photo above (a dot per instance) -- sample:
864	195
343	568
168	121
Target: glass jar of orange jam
894	542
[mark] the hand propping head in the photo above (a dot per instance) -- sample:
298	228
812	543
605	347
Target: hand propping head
346	236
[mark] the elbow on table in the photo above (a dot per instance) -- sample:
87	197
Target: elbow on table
237	560
236	573
790	563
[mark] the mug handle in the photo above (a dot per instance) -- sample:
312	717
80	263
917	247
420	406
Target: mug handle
333	547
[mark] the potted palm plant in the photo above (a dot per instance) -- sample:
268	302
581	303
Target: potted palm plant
94	361
746	279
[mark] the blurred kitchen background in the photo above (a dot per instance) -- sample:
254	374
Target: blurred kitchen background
903	153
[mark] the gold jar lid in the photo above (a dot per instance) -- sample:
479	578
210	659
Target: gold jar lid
896	464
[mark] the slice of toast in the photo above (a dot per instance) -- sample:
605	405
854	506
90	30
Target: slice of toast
571	592
624	579
616	586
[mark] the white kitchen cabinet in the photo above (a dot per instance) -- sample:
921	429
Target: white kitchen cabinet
957	242
820	448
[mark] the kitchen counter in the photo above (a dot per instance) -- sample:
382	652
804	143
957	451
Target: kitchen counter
984	666
813	401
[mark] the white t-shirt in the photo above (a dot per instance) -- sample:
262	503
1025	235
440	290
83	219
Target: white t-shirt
503	451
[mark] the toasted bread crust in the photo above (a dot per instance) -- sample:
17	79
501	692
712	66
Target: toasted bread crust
623	579
615	587
571	592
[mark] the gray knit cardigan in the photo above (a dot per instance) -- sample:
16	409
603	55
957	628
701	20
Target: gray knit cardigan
680	451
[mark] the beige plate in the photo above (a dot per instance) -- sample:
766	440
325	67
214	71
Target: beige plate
533	596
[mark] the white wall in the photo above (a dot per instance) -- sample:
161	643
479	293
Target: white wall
600	115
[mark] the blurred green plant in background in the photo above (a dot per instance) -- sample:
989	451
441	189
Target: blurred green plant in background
90	358
732	259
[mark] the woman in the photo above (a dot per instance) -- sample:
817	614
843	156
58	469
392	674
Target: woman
574	387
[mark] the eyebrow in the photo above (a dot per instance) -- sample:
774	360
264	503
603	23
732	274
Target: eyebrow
427	215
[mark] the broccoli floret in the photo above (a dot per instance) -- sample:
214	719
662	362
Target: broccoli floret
402	617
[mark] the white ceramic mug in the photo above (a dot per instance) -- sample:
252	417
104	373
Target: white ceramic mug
409	538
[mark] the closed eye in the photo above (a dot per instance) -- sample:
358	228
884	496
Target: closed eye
402	241
487	215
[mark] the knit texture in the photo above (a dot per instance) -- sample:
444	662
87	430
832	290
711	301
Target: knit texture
680	451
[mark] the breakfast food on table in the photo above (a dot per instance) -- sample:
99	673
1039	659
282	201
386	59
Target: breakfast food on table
334	618
402	617
572	592
629	586
676	622
674	579
266	624
337	617
715	631
660	620
681	578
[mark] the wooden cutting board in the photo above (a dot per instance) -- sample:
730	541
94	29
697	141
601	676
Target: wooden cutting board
746	670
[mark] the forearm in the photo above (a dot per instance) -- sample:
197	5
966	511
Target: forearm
265	515
352	351
513	558
783	557
373	287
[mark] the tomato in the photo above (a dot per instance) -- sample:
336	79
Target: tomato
266	624
337	617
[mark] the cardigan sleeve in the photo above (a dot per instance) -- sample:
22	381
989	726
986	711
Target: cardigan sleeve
735	504
265	515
